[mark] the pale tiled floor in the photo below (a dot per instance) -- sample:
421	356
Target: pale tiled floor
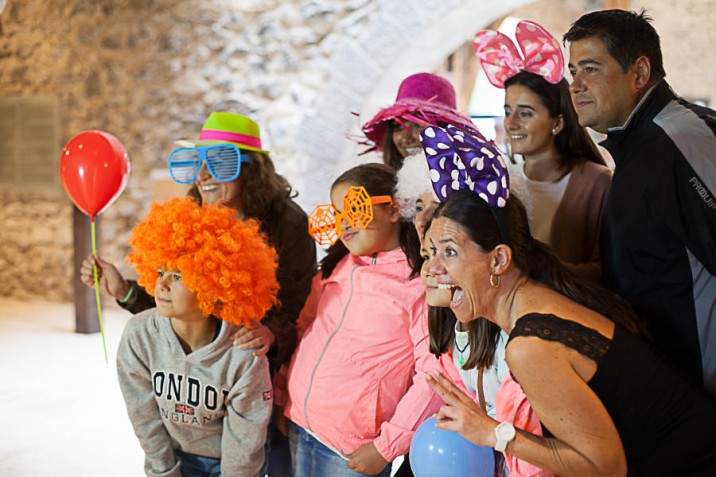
61	410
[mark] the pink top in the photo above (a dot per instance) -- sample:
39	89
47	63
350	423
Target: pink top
512	405
358	373
510	401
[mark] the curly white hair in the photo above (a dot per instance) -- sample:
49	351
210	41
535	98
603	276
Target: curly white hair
413	181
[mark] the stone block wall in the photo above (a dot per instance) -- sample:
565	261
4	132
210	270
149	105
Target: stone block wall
149	71
685	28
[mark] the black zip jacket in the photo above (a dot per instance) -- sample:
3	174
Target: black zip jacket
658	239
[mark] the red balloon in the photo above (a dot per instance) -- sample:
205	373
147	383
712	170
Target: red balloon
94	168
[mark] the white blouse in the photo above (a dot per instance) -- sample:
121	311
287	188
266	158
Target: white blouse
541	200
492	377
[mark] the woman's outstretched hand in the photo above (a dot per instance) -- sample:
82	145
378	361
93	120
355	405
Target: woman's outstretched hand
461	414
110	280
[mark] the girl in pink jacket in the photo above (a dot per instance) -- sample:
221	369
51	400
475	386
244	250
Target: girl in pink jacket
356	383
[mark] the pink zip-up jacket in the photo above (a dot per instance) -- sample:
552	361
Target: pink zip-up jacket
448	368
358	373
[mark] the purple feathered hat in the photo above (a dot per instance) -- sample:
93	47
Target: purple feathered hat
424	99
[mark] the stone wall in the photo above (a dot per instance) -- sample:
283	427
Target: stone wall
150	71
687	38
685	27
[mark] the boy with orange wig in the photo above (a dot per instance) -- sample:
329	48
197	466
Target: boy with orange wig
199	405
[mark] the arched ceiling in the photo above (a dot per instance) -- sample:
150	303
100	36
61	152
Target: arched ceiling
367	72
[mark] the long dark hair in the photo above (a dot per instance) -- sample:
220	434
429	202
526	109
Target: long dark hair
378	179
263	191
391	156
483	337
573	142
533	258
264	194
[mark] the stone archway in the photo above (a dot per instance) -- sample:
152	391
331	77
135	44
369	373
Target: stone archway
368	70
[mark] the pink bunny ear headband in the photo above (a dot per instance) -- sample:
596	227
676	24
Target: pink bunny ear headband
500	59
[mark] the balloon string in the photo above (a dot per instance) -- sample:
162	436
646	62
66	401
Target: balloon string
96	290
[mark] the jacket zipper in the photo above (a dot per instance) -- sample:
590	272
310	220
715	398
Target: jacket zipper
323	351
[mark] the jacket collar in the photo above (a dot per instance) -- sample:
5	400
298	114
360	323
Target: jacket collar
392	256
646	109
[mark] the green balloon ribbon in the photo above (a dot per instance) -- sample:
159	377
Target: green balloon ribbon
96	291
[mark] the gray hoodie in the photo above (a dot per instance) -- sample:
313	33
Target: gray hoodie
214	402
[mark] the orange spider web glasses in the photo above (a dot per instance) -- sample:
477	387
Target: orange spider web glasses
325	222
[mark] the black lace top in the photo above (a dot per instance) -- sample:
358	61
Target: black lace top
667	426
586	341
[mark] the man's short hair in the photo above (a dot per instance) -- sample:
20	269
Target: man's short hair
627	35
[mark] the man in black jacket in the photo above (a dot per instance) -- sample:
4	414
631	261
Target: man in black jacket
658	241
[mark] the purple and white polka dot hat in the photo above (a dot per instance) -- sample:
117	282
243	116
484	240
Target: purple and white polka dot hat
459	160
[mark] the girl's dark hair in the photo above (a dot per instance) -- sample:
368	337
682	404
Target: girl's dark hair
412	251
533	258
391	155
573	142
378	179
483	337
263	191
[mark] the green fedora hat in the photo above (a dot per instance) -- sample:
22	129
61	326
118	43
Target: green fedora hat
222	128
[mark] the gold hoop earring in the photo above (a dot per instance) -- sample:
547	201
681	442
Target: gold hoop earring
495	280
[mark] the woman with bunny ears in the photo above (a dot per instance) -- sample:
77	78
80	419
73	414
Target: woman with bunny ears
566	178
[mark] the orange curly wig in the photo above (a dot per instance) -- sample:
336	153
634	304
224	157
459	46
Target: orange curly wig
224	260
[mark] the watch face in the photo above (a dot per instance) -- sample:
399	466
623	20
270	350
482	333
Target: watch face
506	431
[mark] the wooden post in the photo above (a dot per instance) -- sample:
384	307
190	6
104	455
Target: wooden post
86	318
616	5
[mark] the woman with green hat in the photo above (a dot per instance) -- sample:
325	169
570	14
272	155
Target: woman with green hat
228	165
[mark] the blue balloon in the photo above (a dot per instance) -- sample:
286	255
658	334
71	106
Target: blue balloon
440	453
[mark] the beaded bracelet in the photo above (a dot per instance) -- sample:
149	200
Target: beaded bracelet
129	294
